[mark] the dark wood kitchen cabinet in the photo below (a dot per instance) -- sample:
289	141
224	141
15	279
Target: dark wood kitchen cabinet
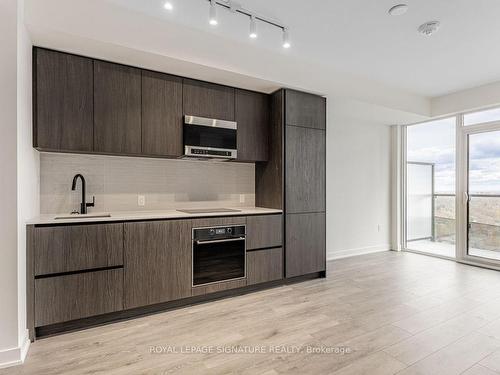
76	296
208	100
305	243
157	262
252	116
264	265
161	114
297	170
62	101
73	248
304	109
264	231
305	183
117	109
305	169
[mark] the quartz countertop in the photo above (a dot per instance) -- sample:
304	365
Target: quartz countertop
146	215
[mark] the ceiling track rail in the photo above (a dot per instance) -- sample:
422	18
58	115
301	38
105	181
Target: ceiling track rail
237	8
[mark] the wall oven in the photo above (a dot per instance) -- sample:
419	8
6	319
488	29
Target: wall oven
219	254
209	138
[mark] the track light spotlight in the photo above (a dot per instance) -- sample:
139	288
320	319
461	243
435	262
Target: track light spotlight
212	19
253	27
286	38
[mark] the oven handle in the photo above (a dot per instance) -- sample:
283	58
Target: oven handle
198	242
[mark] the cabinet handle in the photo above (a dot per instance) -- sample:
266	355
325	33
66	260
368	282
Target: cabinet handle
198	242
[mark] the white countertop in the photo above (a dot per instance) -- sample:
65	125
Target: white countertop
147	215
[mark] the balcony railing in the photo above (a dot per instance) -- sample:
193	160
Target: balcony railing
484	224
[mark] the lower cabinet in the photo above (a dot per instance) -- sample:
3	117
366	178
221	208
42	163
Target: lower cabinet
264	265
305	244
110	267
157	262
64	298
264	231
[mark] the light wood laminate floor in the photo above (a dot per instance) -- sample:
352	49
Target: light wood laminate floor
383	313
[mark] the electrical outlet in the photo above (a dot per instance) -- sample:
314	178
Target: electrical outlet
242	198
141	200
378	227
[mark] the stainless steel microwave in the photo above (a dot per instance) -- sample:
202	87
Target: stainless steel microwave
209	138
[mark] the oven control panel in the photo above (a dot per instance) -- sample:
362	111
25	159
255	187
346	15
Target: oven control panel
219	232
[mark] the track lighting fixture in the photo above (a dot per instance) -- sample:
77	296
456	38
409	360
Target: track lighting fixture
235	8
212	20
286	38
253	27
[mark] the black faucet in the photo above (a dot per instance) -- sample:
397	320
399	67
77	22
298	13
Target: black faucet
84	204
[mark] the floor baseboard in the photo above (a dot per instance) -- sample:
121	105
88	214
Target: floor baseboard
15	356
331	255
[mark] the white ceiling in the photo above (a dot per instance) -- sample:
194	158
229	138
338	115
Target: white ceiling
358	37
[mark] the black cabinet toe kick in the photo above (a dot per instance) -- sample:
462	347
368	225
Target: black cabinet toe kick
95	321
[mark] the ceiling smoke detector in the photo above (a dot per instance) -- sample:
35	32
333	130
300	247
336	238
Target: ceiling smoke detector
398	10
429	28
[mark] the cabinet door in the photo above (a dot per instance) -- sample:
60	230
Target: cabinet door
157	262
117	108
77	247
252	116
264	265
161	114
208	100
305	244
305	169
76	296
303	109
63	101
264	231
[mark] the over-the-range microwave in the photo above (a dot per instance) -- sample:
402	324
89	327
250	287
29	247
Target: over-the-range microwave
209	138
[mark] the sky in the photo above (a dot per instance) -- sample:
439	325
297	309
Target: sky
434	142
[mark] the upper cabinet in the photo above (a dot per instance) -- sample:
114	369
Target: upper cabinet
117	108
303	109
208	100
161	114
63	101
91	106
252	116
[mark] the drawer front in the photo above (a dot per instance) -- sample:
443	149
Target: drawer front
64	298
218	287
77	247
264	265
264	231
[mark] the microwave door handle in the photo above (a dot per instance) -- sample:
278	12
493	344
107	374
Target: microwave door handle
198	242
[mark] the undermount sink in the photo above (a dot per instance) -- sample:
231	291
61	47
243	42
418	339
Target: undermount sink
80	216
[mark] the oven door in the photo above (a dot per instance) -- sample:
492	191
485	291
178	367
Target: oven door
218	260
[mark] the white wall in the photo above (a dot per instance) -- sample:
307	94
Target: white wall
9	339
19	182
358	185
28	165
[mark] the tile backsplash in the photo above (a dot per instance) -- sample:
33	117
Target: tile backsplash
166	184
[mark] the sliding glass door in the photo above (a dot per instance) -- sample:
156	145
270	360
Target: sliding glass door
482	194
451	184
430	187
